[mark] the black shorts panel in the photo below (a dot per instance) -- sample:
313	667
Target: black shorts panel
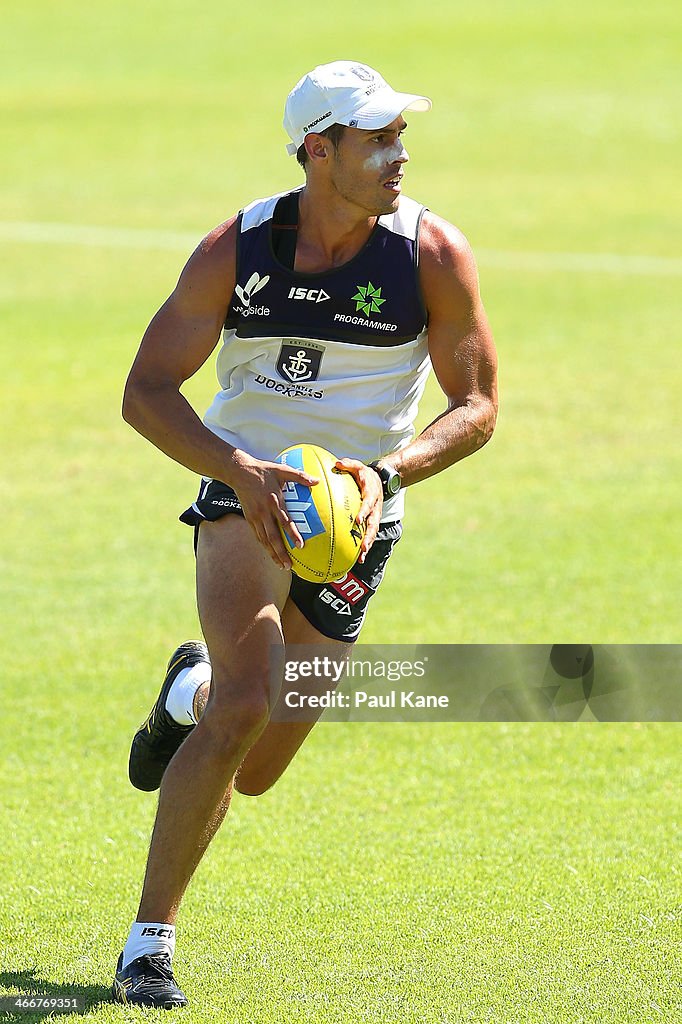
337	610
215	500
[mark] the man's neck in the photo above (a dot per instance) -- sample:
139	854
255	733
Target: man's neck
330	231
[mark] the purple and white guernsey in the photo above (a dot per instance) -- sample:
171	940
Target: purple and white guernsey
338	358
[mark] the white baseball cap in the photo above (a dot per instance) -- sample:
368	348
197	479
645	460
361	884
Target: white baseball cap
343	92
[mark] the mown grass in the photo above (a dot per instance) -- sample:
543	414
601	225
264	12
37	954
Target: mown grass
491	873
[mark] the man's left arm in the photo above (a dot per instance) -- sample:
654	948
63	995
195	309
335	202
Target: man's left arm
462	352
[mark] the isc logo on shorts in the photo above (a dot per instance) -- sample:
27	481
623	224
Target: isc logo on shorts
344	593
338	604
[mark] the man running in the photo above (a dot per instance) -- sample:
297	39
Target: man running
334	299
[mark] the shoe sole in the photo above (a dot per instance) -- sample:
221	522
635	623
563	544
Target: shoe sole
119	995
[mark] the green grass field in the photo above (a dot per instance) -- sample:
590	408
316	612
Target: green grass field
488	873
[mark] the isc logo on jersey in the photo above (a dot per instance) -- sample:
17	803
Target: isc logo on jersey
308	295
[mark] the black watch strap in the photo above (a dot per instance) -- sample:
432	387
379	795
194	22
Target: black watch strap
390	479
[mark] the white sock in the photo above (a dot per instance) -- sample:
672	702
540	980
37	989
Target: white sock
180	699
149	937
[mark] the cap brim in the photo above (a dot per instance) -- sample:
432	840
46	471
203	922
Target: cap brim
380	112
377	112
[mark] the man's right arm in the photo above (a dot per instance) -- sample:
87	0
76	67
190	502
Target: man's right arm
178	341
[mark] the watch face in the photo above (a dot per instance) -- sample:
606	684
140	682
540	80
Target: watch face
391	482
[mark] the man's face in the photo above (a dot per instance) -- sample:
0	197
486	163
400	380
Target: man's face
367	168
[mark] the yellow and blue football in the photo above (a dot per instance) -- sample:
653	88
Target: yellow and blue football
325	515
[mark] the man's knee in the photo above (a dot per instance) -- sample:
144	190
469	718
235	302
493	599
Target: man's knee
236	721
254	780
252	787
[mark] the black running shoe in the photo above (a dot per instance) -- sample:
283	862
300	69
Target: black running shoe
147	981
159	737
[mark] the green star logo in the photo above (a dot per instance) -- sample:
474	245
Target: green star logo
368	299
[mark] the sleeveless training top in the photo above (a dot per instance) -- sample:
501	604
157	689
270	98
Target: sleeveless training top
337	358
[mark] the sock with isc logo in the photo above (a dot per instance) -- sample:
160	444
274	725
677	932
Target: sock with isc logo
180	699
148	938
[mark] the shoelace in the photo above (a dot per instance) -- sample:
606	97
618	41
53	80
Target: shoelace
158	965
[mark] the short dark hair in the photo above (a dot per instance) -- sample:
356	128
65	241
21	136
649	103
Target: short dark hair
334	133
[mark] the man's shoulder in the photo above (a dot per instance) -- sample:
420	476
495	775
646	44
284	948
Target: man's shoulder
444	248
212	265
437	234
219	244
216	254
261	210
447	268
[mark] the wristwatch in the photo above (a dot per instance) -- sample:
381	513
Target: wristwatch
391	481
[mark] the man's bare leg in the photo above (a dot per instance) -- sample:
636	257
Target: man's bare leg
275	748
241	594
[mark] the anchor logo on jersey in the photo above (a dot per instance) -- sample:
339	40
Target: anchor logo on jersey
299	361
